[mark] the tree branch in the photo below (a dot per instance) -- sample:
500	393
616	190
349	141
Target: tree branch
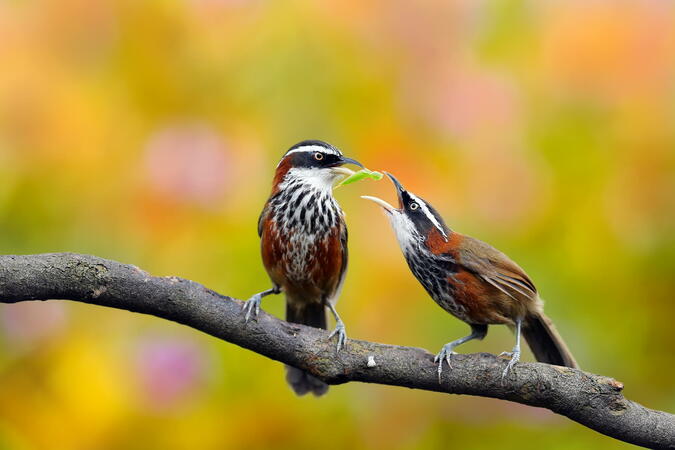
591	400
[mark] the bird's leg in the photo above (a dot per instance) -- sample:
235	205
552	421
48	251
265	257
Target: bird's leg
252	305
477	332
515	353
339	328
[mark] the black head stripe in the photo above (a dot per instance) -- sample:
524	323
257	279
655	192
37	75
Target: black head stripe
425	216
303	154
314	145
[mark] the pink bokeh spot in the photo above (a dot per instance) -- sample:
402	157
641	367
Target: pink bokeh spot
169	370
188	163
471	103
32	322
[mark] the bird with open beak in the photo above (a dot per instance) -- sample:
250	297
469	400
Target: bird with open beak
472	280
304	243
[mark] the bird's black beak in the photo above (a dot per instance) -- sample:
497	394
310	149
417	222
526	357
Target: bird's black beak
399	189
344	160
338	170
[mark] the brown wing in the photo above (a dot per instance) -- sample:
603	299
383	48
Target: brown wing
495	268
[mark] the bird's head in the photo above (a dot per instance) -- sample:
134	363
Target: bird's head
316	163
414	219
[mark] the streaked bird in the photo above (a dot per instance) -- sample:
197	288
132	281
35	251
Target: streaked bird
473	281
304	244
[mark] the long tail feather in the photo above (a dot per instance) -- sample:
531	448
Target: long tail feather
545	342
314	315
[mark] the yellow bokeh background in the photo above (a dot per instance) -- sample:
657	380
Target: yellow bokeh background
148	132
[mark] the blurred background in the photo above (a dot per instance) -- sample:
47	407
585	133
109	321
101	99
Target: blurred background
148	132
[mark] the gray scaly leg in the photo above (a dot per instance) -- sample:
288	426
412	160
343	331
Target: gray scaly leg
339	328
515	353
252	305
477	332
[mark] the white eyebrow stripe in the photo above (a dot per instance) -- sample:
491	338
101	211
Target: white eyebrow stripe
314	148
427	213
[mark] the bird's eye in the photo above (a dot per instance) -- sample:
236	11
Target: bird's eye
414	206
318	156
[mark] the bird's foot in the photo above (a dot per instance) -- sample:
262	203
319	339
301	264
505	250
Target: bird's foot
444	355
252	307
341	334
515	357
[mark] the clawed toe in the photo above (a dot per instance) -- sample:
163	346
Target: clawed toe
444	355
252	307
515	357
341	335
